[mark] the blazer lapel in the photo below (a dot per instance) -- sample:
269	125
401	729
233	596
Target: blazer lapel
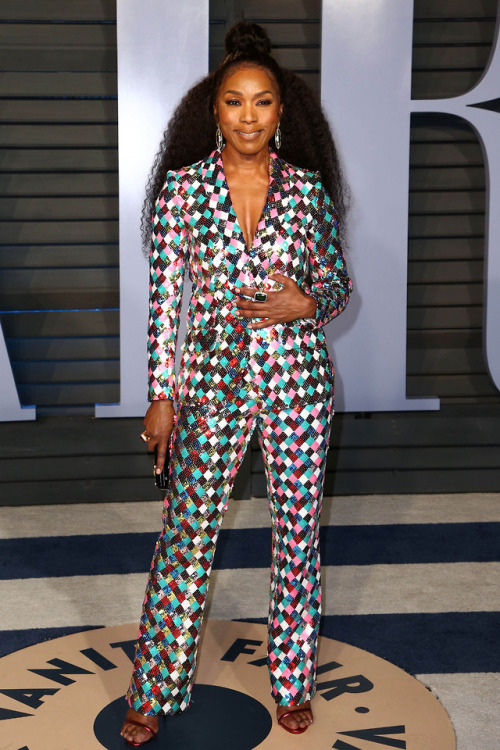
271	242
277	199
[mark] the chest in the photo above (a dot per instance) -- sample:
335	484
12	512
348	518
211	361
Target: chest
248	199
229	221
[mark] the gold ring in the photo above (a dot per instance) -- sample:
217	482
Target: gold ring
145	436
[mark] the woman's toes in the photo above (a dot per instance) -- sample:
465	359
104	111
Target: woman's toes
293	721
298	719
134	732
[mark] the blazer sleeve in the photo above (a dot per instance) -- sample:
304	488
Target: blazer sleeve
329	283
169	244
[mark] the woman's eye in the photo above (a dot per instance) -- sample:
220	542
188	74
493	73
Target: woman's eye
236	102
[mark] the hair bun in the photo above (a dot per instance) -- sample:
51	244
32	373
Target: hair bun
245	37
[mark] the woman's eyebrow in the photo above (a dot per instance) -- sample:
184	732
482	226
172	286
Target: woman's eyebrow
240	93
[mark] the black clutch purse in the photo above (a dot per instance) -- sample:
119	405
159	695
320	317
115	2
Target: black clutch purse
161	479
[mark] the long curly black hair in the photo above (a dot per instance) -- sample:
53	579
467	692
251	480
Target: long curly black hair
307	140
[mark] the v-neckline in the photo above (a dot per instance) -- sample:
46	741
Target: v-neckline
233	210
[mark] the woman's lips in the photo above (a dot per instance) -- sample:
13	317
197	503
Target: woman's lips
249	136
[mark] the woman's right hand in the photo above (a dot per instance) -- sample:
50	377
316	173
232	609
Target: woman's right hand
159	423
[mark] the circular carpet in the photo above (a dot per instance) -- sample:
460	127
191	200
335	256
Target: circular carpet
69	693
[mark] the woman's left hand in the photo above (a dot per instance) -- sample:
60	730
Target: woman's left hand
289	303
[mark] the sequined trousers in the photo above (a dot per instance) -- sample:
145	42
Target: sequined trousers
206	451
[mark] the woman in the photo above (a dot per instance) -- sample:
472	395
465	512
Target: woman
260	239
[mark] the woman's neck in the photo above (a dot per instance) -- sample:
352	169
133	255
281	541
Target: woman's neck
235	161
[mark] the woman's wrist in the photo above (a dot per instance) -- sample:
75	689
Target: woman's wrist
310	306
162	403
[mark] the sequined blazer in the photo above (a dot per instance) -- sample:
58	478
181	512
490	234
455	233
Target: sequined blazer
194	223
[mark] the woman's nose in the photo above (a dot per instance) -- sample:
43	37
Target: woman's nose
248	114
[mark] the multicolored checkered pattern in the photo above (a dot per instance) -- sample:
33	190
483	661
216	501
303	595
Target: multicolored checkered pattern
195	224
232	379
207	450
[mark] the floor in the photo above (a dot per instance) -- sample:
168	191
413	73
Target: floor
413	579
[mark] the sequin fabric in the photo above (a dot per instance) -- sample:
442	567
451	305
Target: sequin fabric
232	379
194	224
207	451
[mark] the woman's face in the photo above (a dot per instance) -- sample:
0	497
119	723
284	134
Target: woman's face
248	110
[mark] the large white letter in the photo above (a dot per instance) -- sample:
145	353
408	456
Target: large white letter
162	51
366	91
481	108
10	407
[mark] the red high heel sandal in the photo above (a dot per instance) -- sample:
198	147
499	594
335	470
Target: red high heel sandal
143	726
298	730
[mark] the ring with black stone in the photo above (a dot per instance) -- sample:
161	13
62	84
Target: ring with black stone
260	297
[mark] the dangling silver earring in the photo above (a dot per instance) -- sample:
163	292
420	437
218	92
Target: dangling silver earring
219	139
277	136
